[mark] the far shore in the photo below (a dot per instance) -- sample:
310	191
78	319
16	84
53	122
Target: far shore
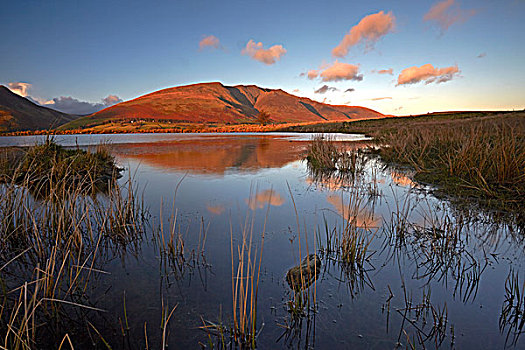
344	126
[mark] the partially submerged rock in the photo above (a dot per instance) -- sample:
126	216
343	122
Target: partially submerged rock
302	276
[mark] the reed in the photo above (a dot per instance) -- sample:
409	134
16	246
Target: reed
484	158
51	250
512	317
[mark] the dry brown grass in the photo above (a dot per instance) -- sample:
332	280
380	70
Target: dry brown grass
51	250
485	158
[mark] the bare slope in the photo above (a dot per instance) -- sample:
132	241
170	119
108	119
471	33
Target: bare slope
216	103
18	113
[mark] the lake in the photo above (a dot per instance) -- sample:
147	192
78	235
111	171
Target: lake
432	273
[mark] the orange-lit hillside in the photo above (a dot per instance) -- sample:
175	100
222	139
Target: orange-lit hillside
216	103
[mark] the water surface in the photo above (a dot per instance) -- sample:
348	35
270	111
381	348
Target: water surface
219	185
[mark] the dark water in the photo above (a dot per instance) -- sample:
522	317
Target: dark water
217	186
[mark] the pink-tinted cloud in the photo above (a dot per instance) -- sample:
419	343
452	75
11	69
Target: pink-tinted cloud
19	88
386	71
369	30
428	74
360	217
381	98
264	198
338	71
215	209
111	100
259	53
210	41
444	14
312	74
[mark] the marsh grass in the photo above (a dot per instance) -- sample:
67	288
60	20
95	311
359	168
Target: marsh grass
178	257
325	155
52	248
246	260
483	158
49	167
299	323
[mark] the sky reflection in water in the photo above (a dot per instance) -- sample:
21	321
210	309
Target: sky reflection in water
223	181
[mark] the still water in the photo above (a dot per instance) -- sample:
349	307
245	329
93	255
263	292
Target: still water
433	276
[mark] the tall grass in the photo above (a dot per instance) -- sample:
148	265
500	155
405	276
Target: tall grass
51	250
485	158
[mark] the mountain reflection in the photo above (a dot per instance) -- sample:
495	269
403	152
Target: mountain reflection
214	155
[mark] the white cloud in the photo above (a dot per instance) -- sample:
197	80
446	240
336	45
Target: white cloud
19	88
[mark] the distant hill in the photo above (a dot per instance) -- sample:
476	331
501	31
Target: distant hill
216	103
19	114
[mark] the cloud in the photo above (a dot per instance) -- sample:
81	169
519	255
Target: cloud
19	88
386	71
336	72
111	100
263	198
481	55
312	74
266	56
296	90
443	14
360	217
427	73
325	88
350	90
369	30
381	98
68	104
209	41
215	209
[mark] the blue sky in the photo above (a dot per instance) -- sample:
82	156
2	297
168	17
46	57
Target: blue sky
90	50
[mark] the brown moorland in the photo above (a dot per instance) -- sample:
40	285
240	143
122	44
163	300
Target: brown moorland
216	103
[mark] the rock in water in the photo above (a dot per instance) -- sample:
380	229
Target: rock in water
302	276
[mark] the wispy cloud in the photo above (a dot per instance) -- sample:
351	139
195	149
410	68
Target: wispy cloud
325	88
350	90
259	53
444	14
481	55
19	88
369	30
209	41
428	74
381	98
386	71
337	71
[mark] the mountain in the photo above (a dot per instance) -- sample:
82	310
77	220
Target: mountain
18	114
216	103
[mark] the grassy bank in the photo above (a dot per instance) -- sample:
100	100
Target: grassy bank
48	167
467	155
